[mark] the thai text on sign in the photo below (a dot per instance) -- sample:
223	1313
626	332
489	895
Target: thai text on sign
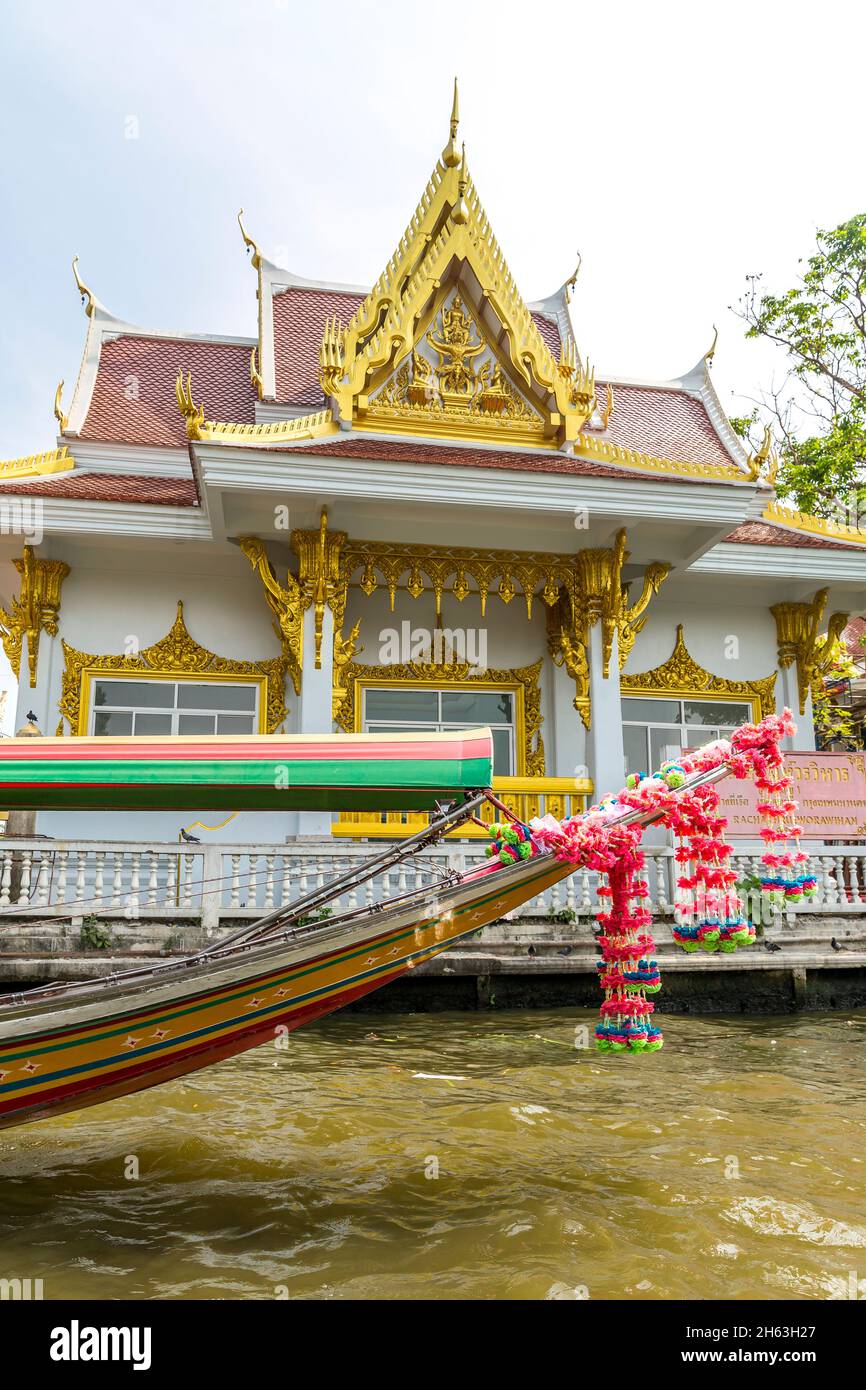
830	789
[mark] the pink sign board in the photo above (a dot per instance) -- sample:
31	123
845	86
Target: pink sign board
829	788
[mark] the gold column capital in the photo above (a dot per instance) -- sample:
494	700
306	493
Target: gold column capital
800	643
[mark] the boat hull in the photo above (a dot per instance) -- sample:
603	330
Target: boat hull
97	1044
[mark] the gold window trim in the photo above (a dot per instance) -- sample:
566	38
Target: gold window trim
522	681
681	677
177	656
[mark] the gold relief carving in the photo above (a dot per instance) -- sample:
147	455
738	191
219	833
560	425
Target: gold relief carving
35	610
177	654
799	641
567	648
764	458
345	648
37	465
322	580
524	680
284	601
479	399
456	348
441	569
681	675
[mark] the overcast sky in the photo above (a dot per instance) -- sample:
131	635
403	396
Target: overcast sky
678	147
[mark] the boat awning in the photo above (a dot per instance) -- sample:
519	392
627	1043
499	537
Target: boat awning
268	772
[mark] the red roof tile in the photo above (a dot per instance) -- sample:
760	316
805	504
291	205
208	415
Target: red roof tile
109	487
134	400
763	533
665	424
406	451
299	322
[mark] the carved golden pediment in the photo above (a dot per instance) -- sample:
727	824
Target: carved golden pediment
176	654
454	383
447	250
681	675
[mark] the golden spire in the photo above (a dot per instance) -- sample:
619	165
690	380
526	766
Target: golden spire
62	420
249	243
450	157
572	280
86	294
708	356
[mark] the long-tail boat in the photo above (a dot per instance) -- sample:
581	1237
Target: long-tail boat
67	1046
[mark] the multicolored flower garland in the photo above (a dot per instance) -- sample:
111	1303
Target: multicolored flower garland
708	911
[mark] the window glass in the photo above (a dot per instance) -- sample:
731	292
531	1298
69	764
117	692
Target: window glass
635	742
641	711
148	708
112	723
467	708
209	695
196	723
715	712
152	723
233	724
401	704
664	744
404	710
502	752
133	694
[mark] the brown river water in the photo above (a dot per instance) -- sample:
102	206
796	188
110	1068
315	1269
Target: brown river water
462	1156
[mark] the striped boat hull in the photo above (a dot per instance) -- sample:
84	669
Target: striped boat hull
102	1042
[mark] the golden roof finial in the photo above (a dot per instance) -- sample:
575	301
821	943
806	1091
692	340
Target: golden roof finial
450	157
708	356
192	414
86	294
249	243
764	454
62	420
572	280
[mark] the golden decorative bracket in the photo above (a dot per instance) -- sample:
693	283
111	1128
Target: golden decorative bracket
322	578
35	610
604	597
284	601
799	641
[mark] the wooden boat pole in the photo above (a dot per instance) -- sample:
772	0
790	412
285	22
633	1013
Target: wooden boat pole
282	916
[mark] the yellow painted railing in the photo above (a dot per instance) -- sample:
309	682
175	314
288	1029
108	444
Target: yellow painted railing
525	796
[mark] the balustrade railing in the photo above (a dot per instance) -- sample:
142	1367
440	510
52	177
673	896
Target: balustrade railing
208	884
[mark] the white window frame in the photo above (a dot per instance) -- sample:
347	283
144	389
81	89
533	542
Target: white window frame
680	732
373	726
137	677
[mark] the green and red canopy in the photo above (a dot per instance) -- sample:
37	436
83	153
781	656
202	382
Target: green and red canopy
268	772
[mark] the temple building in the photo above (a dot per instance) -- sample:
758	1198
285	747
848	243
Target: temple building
411	506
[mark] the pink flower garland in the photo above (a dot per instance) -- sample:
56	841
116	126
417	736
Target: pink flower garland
708	912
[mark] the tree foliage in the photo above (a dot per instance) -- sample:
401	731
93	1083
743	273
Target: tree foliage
818	411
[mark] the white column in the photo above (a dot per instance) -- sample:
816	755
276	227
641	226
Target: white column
314	704
567	757
606	755
787	694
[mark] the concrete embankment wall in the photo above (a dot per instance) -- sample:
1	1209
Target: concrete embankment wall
514	965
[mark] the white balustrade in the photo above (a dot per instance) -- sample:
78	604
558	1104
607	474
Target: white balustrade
213	883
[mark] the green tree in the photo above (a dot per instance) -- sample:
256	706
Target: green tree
818	411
